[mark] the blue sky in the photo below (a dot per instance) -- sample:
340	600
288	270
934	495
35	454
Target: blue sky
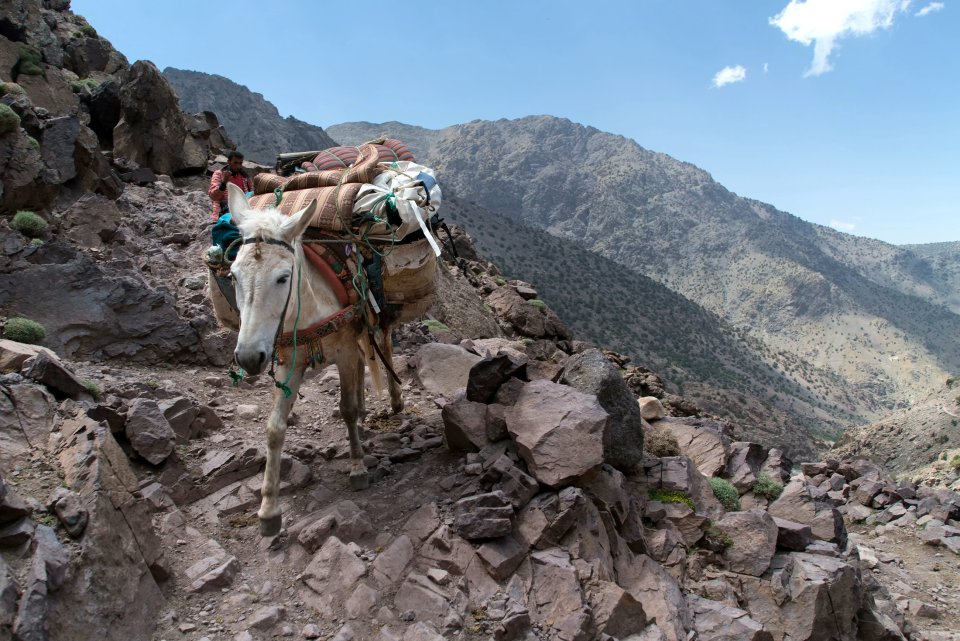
845	112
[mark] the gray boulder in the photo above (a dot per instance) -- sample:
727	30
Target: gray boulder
558	431
591	373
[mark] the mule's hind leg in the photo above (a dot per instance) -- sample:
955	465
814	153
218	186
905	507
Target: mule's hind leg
351	401
396	396
276	431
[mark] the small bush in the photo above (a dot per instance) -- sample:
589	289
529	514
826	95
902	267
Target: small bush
716	539
768	487
661	442
30	62
9	120
86	83
539	304
10	87
88	31
955	463
33	142
28	223
435	326
36	242
92	388
725	492
671	496
500	281
23	330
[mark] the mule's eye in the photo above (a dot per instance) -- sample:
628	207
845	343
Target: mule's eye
283	279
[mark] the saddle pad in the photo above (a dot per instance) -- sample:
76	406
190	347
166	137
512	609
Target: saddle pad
329	201
389	150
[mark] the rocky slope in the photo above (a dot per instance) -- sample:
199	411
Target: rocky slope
907	441
246	115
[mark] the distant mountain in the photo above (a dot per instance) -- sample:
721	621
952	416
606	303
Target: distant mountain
251	121
881	318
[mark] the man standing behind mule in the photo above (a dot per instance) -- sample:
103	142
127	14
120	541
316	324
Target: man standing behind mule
232	172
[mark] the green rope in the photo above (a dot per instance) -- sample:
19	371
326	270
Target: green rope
236	377
283	387
278	192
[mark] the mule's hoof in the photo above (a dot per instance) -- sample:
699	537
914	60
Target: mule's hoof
396	407
360	480
270	526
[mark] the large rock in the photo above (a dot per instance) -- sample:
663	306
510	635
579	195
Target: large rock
111	594
715	621
743	464
658	592
796	503
807	596
333	574
26	417
528	319
149	431
91	314
753	541
558	431
51	372
556	599
464	425
591	373
701	440
152	130
443	369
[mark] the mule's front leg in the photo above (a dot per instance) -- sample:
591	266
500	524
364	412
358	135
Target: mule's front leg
351	404
270	517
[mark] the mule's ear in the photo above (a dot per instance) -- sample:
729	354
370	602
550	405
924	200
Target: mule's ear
238	203
296	224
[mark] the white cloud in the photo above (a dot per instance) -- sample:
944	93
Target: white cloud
930	8
824	22
729	75
766	66
842	226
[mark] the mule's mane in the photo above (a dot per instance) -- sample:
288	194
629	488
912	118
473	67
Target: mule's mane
262	223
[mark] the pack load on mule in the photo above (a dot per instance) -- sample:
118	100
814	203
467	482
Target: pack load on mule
376	213
325	261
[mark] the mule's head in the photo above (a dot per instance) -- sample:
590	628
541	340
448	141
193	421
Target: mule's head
264	275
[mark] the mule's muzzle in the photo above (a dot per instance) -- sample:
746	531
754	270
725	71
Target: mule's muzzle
251	360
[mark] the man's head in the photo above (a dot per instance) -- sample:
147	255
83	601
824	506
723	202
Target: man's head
235	161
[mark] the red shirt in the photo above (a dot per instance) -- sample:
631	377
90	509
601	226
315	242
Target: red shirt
217	195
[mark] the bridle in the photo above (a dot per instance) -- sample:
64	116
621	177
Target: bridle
256	241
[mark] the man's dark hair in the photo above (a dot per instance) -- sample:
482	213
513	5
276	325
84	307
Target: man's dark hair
234	154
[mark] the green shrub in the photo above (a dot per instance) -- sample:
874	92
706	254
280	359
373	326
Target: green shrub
87	30
660	441
9	120
30	62
36	242
10	87
28	223
955	463
23	330
671	496
33	142
715	538
86	83
768	487
435	326
92	388
725	492
539	304
500	281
